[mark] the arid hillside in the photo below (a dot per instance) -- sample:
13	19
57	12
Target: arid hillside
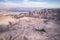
46	13
43	13
41	24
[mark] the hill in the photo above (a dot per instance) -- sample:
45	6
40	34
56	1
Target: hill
33	25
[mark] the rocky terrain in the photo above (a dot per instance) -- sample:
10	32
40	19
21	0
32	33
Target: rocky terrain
35	25
46	13
43	13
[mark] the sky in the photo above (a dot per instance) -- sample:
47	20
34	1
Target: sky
30	3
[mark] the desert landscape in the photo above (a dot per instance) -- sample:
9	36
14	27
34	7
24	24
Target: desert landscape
43	24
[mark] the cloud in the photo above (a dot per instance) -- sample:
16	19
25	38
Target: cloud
9	4
26	0
26	3
23	4
34	4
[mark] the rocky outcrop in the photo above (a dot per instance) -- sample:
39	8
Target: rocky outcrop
27	29
46	13
43	13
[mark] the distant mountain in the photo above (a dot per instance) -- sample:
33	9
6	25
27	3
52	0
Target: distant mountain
53	14
22	9
49	13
